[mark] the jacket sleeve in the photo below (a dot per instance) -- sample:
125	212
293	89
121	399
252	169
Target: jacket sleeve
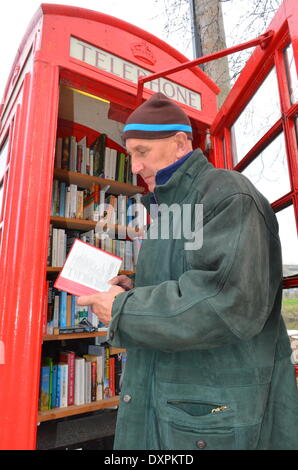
225	296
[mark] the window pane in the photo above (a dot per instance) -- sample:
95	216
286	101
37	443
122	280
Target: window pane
257	118
289	241
289	308
3	158
269	171
291	73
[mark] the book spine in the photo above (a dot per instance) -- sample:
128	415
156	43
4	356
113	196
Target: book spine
64	386
62	309
69	359
58	152
54	385
44	396
87	382
58	388
106	381
112	376
65	153
62	199
93	380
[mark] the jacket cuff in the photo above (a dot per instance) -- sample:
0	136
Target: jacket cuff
113	336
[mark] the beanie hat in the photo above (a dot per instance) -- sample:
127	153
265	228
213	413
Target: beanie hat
157	118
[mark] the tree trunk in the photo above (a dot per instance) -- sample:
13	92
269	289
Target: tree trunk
209	27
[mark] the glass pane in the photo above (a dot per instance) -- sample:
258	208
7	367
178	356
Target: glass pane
289	308
257	118
3	158
269	171
291	73
289	241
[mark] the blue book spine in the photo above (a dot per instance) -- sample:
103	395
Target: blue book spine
62	199
73	310
130	215
58	389
54	385
44	388
62	309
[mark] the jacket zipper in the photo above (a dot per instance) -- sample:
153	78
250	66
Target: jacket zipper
214	410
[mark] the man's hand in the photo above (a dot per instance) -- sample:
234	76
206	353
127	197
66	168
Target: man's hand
123	281
101	303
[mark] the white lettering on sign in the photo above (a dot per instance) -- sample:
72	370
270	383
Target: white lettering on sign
121	68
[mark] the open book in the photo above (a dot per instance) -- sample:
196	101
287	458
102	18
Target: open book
87	270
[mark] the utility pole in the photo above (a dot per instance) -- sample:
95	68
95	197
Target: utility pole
209	37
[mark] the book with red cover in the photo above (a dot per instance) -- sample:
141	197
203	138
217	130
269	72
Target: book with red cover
112	376
87	270
68	357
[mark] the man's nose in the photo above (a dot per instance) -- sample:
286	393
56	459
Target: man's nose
136	166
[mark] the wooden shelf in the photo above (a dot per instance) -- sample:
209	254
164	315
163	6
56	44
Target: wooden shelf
81	224
86	181
74	336
57	413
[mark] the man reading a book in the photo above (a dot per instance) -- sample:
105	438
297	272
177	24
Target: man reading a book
208	364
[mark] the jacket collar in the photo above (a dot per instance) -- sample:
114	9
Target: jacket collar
179	184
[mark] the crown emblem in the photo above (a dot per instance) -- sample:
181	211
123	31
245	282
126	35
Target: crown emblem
142	52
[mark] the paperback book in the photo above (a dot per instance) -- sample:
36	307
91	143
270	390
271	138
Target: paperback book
87	270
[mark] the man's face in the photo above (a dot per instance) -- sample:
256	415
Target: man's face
148	156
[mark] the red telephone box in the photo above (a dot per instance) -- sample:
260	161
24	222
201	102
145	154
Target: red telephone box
76	73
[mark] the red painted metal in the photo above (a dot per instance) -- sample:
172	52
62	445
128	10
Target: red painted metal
262	40
29	111
285	30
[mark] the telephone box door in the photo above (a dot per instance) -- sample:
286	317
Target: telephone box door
256	131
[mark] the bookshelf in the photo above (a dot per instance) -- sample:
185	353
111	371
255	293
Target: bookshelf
86	181
58	413
62	337
84	225
86	184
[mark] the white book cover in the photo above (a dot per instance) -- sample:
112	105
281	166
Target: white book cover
87	270
134	179
55	247
56	312
73	201
113	163
79	396
87	382
99	390
63	385
91	159
107	162
67	202
61	249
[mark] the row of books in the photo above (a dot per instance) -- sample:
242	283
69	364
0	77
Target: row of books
77	380
98	160
61	240
70	202
63	311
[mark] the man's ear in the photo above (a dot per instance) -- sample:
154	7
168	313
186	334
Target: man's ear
183	144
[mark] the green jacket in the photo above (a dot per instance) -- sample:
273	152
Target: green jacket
208	363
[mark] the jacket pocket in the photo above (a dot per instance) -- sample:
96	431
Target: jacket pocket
195	408
185	438
198	425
